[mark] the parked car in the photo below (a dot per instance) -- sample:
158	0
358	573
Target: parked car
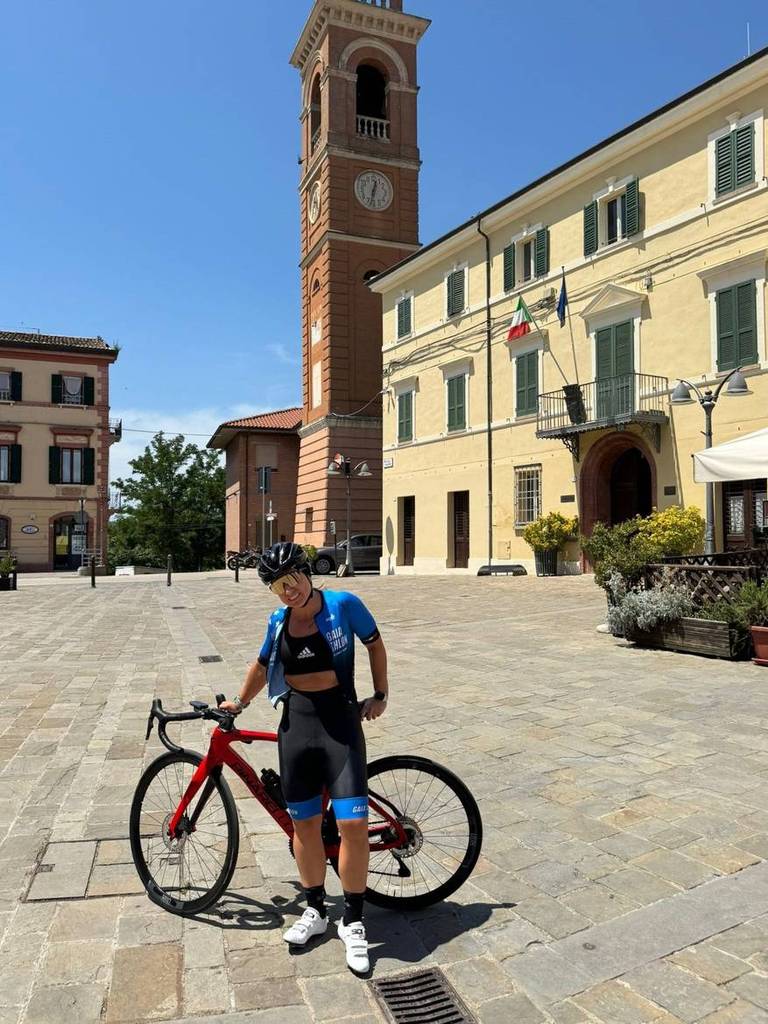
366	554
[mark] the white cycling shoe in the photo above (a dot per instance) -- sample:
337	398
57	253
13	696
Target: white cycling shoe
353	937
309	924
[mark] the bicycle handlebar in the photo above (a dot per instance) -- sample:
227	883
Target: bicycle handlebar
224	718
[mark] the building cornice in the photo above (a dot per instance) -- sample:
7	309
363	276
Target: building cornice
362	17
330	422
318	159
342	236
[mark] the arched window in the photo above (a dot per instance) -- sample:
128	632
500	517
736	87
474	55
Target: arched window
372	103
5	533
316	286
315	114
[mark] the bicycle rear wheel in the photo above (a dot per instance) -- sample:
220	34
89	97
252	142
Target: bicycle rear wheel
189	874
444	828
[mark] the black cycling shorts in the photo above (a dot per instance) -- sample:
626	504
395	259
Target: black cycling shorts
321	744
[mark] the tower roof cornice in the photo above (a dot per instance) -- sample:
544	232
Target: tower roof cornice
359	15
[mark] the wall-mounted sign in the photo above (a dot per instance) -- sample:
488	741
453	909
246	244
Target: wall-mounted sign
30	529
389	463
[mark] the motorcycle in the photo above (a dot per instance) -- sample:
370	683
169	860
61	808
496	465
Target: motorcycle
248	559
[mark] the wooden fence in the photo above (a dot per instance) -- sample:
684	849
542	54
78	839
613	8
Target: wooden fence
704	582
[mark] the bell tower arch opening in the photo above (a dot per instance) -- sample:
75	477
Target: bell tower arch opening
371	92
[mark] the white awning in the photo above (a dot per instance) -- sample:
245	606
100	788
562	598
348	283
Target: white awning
744	458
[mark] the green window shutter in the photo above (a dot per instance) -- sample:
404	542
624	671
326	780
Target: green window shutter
88	391
509	268
404	317
724	164
527	385
604	353
15	386
746	320
727	347
590	228
405	417
56	386
744	158
89	465
624	357
54	465
541	258
632	196
457	419
455	292
15	477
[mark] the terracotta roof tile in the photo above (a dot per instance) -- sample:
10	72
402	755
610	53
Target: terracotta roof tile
35	340
281	419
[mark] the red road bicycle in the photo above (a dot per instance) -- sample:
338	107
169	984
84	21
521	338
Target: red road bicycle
424	825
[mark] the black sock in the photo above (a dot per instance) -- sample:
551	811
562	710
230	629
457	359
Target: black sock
315	895
353	906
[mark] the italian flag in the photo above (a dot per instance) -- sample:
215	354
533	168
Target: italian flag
521	321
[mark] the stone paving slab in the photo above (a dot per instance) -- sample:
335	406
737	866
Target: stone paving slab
623	793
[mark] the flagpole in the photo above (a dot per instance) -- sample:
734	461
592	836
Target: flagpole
541	333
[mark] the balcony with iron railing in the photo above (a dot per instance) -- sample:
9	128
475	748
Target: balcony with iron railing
115	430
609	402
375	128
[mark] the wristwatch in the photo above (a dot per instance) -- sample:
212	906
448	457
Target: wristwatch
380	695
239	701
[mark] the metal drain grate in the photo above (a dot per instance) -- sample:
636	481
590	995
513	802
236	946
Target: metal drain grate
206	659
423	998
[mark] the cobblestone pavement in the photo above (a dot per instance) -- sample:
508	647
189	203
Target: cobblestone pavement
624	875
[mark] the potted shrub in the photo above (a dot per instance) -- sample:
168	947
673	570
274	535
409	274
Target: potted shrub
547	535
747	616
7	573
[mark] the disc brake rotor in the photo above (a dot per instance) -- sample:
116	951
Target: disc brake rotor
414	836
174	845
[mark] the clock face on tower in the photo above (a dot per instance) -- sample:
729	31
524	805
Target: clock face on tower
374	190
315	202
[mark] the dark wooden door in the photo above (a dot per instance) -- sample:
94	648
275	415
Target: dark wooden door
743	513
461	529
409	530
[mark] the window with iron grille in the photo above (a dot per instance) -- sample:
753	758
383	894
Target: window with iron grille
527	494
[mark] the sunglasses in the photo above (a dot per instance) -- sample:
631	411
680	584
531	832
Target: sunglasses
279	585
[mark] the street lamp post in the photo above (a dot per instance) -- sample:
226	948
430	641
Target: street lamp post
707	399
341	465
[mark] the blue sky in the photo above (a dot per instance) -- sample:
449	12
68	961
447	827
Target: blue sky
149	164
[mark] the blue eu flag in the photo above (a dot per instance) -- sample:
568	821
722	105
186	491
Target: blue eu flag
562	303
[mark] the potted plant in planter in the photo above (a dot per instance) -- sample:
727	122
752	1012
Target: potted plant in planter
7	573
547	535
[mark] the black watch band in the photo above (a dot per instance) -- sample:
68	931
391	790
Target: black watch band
380	695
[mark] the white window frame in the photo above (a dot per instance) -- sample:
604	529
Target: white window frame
5	391
613	190
751	267
457	266
735	120
75	462
411	295
527	234
533	468
458	368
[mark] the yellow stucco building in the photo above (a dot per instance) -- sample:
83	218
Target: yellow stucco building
662	234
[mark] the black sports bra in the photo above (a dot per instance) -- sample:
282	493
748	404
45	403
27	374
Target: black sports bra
303	655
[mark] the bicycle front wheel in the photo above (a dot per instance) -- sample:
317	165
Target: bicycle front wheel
444	830
188	874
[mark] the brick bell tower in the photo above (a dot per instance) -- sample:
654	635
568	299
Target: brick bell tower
359	193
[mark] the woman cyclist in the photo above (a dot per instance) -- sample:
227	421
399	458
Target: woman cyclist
307	661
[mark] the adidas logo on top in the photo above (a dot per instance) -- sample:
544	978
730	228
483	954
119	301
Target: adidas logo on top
306	653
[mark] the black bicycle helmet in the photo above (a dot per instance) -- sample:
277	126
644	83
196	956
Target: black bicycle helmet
281	559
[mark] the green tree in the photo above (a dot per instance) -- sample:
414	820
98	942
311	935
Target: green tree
173	504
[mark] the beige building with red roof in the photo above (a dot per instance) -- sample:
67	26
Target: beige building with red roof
270	440
55	436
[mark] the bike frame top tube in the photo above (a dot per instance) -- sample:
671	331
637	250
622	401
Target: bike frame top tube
220	752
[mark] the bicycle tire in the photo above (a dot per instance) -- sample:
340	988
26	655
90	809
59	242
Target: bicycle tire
154	891
474	832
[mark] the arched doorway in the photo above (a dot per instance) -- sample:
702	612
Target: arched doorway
617	481
630	486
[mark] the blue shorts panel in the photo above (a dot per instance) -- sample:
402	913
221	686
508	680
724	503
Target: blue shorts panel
350	807
300	810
